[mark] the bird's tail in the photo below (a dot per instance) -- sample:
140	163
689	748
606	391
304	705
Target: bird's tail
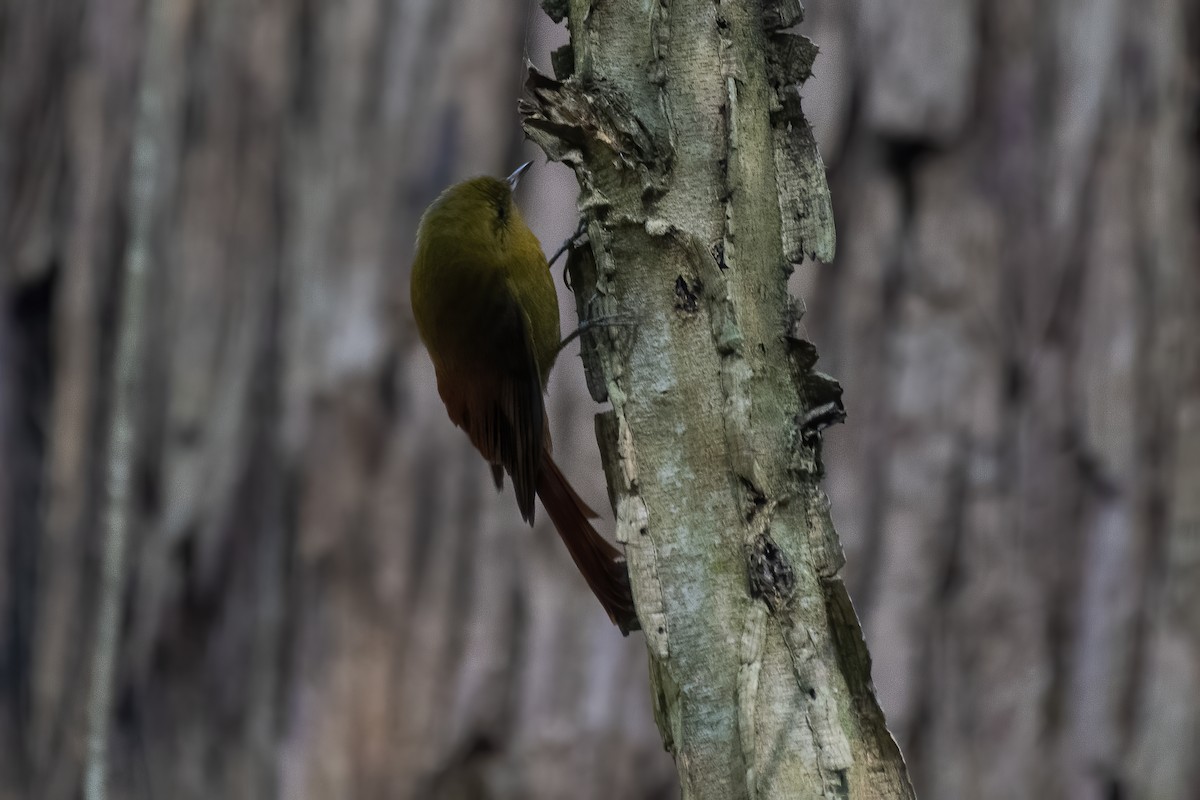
602	565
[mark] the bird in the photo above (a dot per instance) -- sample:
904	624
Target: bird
486	309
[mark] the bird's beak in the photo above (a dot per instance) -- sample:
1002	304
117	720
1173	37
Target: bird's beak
515	178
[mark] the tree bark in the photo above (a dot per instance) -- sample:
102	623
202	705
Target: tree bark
328	599
151	175
1013	315
702	187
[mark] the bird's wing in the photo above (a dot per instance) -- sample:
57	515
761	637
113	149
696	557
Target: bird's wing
493	390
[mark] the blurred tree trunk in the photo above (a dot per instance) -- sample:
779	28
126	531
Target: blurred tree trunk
1015	315
328	599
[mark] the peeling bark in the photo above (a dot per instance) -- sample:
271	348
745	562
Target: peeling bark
701	187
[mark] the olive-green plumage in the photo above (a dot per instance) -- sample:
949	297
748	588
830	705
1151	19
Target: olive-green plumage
485	305
474	247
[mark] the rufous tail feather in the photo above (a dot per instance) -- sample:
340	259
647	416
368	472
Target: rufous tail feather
602	565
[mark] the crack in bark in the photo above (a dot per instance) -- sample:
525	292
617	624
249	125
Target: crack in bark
772	578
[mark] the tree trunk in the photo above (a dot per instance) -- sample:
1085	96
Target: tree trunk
328	599
1013	314
152	172
701	185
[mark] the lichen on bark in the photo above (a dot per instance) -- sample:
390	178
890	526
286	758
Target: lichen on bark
702	187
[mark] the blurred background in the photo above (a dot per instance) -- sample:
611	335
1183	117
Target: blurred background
327	597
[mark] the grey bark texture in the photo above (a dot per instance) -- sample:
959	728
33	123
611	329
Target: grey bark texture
151	171
327	597
702	186
1014	315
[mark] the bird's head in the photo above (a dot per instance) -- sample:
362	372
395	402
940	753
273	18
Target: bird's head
477	212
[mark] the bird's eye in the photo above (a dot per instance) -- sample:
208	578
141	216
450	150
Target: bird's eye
502	211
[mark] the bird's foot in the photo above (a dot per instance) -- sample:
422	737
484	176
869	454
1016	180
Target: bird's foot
605	321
